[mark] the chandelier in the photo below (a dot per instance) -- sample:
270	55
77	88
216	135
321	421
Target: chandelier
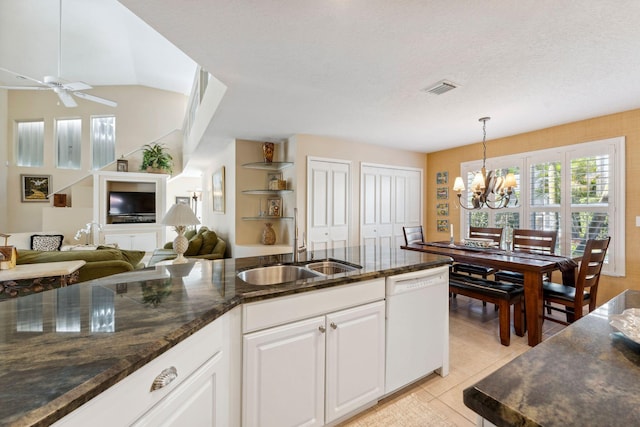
489	190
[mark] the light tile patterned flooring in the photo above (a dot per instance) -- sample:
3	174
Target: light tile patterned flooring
475	352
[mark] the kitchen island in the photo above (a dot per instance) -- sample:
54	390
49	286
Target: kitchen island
586	375
63	347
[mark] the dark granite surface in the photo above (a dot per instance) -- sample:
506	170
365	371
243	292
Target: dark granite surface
62	347
587	375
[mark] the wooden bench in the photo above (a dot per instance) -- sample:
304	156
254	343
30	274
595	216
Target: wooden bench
502	294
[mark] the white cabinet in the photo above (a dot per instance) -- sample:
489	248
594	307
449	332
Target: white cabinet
316	370
204	393
132	240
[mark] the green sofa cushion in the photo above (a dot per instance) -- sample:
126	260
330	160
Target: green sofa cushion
209	240
194	246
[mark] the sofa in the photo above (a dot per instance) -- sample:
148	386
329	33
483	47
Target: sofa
104	261
203	244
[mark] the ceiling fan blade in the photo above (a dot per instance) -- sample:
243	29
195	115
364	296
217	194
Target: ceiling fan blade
22	76
74	86
66	99
96	99
25	88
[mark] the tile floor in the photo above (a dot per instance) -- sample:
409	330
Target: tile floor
475	352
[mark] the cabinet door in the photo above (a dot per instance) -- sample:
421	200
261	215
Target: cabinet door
194	402
283	381
355	358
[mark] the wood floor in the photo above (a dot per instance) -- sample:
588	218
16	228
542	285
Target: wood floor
475	352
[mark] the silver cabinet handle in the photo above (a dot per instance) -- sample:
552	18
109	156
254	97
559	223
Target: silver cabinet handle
333	325
165	378
321	329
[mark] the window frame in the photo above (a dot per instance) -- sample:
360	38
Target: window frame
92	141
57	121
614	147
41	143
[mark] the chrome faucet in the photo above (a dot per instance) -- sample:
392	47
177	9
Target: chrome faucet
297	250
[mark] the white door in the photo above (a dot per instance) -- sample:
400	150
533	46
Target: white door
328	209
194	402
355	358
390	199
283	375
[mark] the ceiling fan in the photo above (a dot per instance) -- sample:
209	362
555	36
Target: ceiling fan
63	88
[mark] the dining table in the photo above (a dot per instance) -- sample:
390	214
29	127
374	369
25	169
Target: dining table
533	266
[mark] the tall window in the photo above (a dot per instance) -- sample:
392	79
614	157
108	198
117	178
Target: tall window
577	191
30	147
103	141
69	143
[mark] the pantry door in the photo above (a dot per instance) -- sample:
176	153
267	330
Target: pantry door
390	198
328	184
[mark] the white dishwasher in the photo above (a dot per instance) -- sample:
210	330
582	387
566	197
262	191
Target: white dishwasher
417	335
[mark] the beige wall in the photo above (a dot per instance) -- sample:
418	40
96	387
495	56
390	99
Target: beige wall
4	99
142	116
625	124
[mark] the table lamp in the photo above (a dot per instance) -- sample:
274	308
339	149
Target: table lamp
180	216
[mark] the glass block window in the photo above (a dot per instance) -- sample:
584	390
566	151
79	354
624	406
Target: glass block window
103	141
68	143
30	147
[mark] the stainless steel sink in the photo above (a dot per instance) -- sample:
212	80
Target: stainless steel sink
275	274
329	267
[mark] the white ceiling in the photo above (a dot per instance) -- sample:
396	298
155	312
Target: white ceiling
103	43
355	69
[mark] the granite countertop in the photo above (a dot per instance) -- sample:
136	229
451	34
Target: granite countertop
62	347
586	375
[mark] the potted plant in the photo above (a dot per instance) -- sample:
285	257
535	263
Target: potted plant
156	159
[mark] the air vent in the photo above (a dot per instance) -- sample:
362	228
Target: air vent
441	87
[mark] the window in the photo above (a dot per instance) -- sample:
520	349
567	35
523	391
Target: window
68	143
576	190
30	144
103	141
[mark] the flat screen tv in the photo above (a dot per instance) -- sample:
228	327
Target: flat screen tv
132	203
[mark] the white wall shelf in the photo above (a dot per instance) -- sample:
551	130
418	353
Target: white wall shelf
274	166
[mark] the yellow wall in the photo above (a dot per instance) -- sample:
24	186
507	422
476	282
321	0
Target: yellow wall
625	124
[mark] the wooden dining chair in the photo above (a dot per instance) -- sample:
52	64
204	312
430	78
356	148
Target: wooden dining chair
533	241
572	299
413	234
494	234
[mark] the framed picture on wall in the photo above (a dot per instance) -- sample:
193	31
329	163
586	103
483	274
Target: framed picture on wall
443	225
442	193
183	200
442	209
442	178
218	190
35	188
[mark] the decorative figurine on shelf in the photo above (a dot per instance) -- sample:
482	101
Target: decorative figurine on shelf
268	235
267	151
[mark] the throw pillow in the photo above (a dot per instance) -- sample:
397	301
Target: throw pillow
42	242
194	246
209	240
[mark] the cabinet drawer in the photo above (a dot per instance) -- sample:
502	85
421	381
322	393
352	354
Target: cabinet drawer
265	314
127	400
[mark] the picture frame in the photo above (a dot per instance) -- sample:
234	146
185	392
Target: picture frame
272	180
442	178
274	206
35	188
442	193
442	209
185	200
442	225
217	181
122	165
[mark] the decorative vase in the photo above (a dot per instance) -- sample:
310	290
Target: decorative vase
268	235
267	151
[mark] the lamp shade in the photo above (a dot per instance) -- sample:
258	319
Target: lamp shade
180	214
458	184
